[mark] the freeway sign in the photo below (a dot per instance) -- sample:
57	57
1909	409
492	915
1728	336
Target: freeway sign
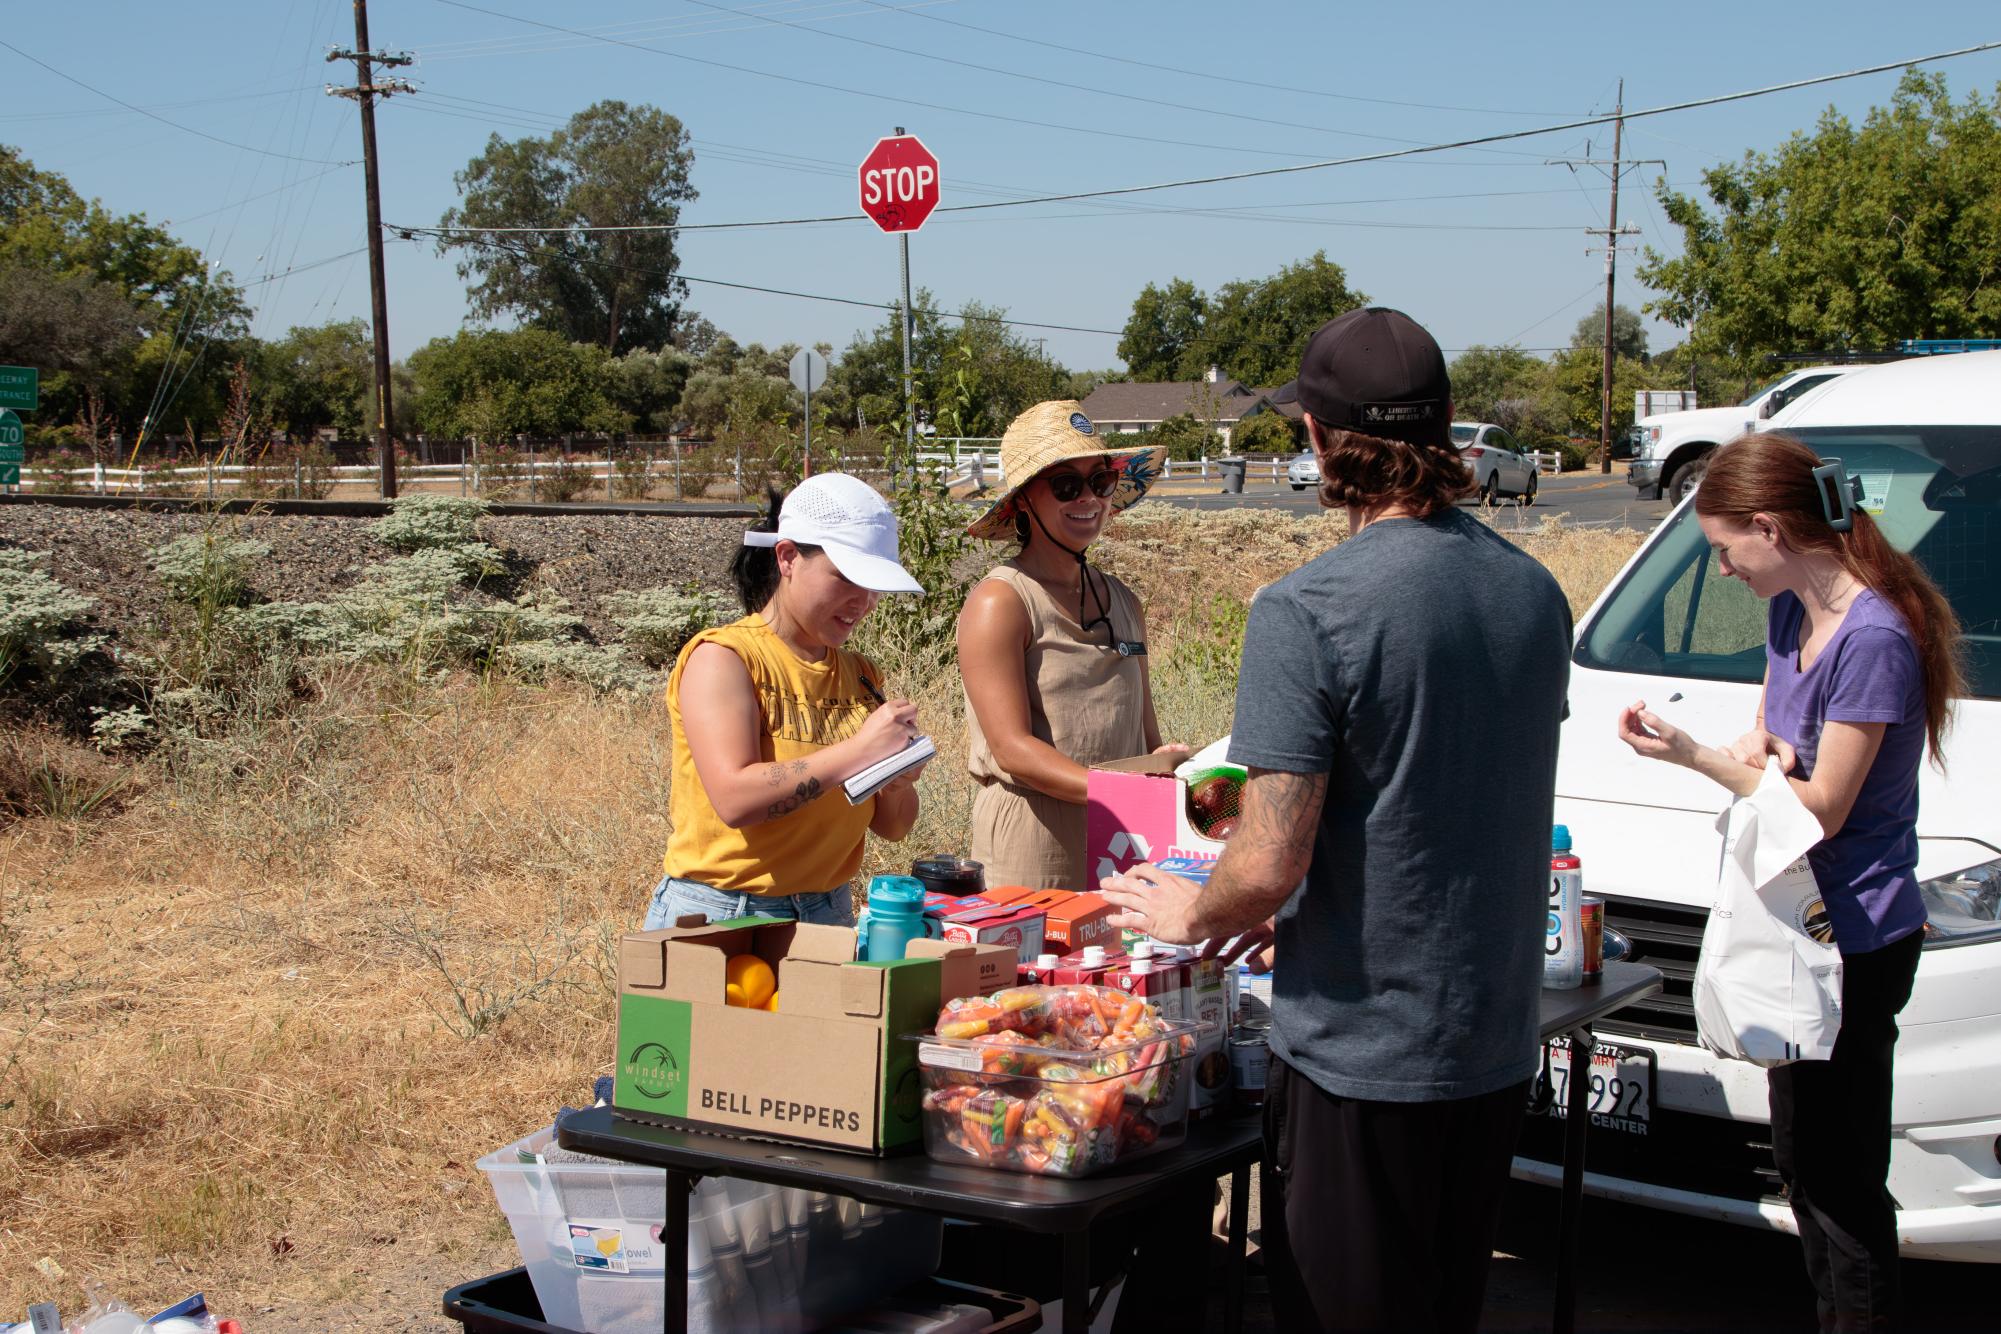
11	449
20	387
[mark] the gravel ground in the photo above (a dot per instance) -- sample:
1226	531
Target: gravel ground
102	553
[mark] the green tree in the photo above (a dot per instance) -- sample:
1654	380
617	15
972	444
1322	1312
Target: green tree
1846	237
492	384
1580	372
974	365
649	386
191	319
613	165
1256	330
321	375
1485	375
1165	324
1629	332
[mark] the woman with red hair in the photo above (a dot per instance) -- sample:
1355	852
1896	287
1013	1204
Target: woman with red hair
1861	668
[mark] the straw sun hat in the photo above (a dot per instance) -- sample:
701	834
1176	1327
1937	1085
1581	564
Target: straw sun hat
1052	433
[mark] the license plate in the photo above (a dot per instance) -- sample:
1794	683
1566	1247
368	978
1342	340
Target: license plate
1622	1085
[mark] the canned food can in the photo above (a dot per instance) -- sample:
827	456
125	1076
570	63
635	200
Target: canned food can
1591	912
1250	1062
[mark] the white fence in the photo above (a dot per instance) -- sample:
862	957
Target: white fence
971	462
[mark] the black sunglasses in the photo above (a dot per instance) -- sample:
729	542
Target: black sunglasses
1067	486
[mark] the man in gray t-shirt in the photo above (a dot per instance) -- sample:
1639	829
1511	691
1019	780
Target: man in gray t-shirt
1397	708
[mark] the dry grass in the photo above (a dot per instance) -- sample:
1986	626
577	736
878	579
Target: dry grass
256	1024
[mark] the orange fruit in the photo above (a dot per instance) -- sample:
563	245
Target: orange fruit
748	982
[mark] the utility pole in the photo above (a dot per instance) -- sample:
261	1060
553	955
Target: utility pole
364	92
1612	231
909	382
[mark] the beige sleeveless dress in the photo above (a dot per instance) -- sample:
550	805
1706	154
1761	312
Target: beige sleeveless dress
1086	701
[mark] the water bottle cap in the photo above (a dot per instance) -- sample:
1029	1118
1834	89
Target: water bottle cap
1094	956
1559	838
896	891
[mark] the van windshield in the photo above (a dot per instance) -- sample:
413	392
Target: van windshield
1936	492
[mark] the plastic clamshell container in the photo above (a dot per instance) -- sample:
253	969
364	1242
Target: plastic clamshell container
1010	1103
759	1257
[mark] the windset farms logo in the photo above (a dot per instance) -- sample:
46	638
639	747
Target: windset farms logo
653	1070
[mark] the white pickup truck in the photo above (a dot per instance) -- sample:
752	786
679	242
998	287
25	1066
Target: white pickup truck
1680	1128
1671	449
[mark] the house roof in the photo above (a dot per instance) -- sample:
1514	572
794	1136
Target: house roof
1159	400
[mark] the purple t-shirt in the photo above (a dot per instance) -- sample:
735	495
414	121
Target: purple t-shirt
1868	673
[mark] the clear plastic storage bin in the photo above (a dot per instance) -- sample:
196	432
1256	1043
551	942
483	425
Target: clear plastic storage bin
759	1257
1007	1101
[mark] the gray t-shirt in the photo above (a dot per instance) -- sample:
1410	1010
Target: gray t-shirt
1422	666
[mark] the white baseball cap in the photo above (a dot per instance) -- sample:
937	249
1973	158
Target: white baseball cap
846	518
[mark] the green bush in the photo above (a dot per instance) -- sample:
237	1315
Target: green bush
425	521
656	622
1266	433
207	569
564	480
41	634
629	475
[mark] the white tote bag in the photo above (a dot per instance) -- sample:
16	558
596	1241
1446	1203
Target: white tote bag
1768	983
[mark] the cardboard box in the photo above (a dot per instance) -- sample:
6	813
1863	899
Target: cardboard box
1136	811
1074	920
1162	982
831	1066
1075	968
999	924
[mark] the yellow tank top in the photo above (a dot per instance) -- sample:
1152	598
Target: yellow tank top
806	706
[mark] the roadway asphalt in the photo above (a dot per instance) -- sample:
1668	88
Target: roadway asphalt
1584	499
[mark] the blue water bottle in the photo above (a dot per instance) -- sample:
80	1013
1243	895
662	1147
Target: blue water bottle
894	917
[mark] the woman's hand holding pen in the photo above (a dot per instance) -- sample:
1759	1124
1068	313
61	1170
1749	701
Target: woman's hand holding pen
889	729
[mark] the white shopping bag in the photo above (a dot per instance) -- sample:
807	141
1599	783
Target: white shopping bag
1768	984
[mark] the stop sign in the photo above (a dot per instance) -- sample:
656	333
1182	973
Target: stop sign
899	181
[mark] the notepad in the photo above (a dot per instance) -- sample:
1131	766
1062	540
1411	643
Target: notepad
883	772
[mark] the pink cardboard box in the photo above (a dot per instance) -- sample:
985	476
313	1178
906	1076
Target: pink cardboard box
1136	811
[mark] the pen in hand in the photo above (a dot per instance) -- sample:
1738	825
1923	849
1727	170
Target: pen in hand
874	690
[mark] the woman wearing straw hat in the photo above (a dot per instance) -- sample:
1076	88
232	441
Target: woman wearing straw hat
771	713
1052	652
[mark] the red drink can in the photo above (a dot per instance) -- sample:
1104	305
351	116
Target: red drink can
1591	912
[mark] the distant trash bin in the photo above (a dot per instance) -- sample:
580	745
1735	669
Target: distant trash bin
1233	475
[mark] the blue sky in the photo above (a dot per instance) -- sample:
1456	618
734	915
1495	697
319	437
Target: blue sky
1482	246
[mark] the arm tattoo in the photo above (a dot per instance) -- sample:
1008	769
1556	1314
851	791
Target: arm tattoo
802	794
1277	826
774	774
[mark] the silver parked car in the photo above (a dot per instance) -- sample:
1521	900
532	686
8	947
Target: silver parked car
1303	471
1497	462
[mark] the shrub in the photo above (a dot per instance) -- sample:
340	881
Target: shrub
61	474
424	521
630	480
1265	433
41	636
207	570
656	622
565	480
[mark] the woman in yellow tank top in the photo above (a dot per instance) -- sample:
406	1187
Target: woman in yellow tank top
770	714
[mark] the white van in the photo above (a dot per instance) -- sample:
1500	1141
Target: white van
1691	1131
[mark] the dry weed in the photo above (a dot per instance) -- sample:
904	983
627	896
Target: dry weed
256	1025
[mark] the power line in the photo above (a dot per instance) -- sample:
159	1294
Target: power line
527	44
892	98
1065	84
251	199
185	129
1260	85
1261	172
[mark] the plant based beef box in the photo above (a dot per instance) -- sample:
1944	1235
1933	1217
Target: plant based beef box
829	1066
1136	811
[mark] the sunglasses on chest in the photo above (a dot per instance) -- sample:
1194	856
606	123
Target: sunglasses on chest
1067	486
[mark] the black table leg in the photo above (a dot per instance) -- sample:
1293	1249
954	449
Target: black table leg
1577	1119
1240	1226
674	1238
1077	1282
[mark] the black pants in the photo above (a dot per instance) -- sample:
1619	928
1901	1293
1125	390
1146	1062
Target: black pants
1381	1215
1831	1135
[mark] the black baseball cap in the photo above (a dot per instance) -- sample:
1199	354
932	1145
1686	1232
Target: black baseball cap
1376	371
